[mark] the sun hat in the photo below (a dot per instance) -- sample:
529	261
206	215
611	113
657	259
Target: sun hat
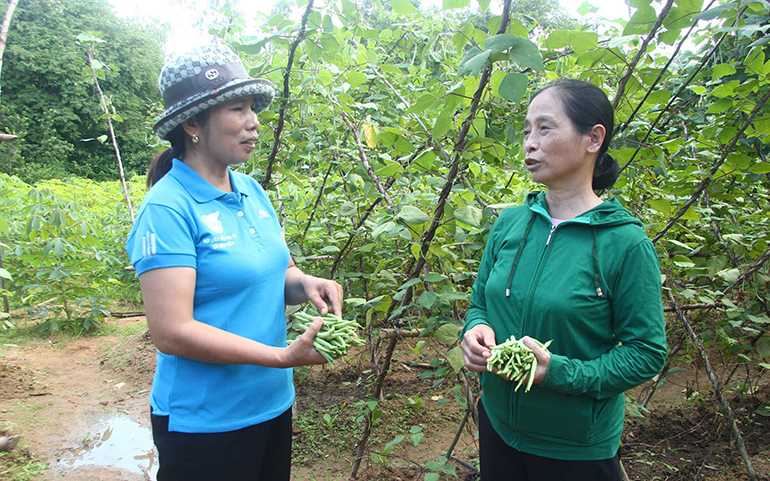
204	77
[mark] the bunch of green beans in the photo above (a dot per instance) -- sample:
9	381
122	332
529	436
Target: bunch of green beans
336	336
514	360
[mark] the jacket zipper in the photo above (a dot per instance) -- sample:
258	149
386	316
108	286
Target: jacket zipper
550	234
536	277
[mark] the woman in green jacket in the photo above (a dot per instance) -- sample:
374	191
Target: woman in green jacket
572	268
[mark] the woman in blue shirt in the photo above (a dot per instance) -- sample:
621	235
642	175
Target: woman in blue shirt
216	275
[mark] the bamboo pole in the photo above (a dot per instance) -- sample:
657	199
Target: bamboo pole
112	135
717	390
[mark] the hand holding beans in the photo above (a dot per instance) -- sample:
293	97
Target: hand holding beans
336	336
515	361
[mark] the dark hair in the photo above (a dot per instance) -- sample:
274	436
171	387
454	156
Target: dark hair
161	164
586	105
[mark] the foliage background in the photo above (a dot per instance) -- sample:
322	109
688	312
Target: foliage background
49	101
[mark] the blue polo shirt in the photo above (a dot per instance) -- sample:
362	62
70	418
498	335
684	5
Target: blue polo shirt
233	241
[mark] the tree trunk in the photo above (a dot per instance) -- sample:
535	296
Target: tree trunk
4	35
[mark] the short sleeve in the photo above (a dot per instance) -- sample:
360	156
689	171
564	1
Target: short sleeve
161	237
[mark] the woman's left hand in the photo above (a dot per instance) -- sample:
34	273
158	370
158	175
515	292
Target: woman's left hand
543	358
322	292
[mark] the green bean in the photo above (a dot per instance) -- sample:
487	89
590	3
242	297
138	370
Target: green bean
515	361
336	336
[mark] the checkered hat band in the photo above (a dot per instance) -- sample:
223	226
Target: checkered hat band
208	79
261	89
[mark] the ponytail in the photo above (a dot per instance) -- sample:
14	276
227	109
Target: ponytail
161	164
606	172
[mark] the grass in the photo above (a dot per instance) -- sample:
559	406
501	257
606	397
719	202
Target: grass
19	466
325	434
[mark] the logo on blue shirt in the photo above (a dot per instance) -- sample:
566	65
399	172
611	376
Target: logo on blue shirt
212	222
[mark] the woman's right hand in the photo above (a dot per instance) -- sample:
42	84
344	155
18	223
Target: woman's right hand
301	351
476	347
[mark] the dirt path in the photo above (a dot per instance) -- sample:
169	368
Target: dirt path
63	402
82	408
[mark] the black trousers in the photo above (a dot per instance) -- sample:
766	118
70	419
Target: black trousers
257	453
500	462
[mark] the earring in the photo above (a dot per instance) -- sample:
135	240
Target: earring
195	139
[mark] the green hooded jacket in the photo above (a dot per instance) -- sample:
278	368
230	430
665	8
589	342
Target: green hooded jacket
591	284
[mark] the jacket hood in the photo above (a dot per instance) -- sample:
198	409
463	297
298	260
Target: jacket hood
608	213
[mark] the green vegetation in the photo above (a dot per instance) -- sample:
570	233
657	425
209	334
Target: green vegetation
63	246
20	466
48	97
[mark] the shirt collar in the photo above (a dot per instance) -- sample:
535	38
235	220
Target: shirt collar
198	187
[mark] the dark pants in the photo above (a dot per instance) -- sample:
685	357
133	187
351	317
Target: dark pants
500	462
257	453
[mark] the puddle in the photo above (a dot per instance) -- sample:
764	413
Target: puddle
116	442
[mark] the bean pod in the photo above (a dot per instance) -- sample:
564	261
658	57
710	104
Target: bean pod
515	361
336	336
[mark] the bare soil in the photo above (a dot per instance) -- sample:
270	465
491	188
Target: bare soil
55	394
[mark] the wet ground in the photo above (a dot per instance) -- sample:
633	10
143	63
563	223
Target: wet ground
115	442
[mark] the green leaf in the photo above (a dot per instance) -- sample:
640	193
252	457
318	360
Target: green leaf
389	446
726	90
714	12
386	228
447	334
557	39
427	299
348	209
761	168
583	41
729	275
422	103
390	169
455	358
513	87
450	4
640	21
719	106
356	78
469	215
587	8
434	277
721	70
425	159
442	126
459	41
660	205
328	24
403	7
58	248
473	62
5	274
484	5
682	261
500	43
3	226
526	55
413	215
